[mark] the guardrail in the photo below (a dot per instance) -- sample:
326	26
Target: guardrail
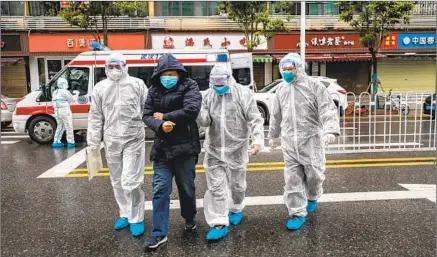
399	124
193	23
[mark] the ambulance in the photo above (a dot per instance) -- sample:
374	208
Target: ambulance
34	114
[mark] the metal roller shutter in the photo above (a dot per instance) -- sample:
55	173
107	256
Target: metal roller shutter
407	75
14	80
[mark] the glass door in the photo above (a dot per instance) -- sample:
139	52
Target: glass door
55	64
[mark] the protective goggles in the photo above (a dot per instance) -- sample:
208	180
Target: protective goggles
287	64
115	62
219	80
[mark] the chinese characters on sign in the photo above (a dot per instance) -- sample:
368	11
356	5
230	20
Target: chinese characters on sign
189	41
233	41
206	42
417	40
81	42
225	43
331	41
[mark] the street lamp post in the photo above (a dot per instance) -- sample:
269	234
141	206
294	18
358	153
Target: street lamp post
302	31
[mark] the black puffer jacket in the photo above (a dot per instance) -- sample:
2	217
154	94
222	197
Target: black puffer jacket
180	105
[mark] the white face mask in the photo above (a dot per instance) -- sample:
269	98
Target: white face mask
115	74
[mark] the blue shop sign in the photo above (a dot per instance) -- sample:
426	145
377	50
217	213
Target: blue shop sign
417	40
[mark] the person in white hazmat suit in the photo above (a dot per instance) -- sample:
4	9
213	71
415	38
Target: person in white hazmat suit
230	115
116	118
305	116
61	99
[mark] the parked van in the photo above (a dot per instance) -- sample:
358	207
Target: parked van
34	113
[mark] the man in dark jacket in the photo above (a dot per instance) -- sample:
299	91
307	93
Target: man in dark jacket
171	109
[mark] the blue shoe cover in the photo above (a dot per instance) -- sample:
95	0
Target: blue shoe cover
235	218
69	146
137	229
57	145
121	223
311	206
295	223
216	233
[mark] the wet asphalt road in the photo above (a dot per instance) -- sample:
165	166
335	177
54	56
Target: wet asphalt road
71	216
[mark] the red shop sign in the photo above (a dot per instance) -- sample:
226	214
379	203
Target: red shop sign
322	41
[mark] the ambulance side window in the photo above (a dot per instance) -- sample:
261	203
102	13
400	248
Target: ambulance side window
144	73
200	74
77	78
242	76
99	75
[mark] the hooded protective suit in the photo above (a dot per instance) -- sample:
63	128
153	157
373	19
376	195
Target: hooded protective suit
304	115
61	99
116	118
230	120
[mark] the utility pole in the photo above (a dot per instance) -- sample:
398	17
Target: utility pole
302	31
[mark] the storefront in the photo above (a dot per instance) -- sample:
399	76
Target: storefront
334	55
14	65
234	42
411	64
49	53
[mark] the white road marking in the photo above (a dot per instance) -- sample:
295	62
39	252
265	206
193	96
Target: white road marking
8	142
424	192
373	145
14	137
11	133
66	166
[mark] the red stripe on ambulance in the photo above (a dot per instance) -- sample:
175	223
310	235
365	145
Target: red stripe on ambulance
145	61
38	110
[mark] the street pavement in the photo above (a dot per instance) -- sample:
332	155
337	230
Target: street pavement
375	204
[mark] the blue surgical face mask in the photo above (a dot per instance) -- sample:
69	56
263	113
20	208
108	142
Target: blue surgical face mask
288	76
221	90
169	82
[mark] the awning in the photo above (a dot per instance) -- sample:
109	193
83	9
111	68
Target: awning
262	58
355	57
310	57
336	57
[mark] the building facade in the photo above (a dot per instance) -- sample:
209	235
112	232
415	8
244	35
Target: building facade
333	48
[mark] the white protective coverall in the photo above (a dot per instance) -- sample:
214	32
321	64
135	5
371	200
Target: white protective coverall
230	120
303	114
61	99
116	118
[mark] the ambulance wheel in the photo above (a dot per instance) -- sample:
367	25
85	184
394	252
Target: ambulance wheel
42	129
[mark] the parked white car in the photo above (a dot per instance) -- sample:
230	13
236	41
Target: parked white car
7	106
264	96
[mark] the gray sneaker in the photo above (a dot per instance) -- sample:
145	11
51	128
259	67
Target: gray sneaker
190	225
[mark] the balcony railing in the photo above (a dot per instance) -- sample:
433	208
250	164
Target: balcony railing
425	8
192	23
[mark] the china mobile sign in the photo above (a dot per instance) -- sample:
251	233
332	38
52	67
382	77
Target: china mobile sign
426	40
203	41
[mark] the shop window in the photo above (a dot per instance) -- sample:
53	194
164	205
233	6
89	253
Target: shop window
53	67
10	8
44	8
41	71
330	9
312	8
209	8
186	8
